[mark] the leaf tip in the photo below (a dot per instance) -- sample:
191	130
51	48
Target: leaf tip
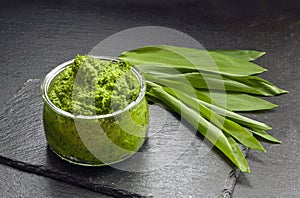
268	127
281	91
275	140
245	169
279	142
261	148
285	91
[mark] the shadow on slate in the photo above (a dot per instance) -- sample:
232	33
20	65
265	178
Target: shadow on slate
179	164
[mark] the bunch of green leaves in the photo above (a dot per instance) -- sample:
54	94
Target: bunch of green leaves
207	88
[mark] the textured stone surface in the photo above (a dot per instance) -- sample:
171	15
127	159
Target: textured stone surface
35	36
176	164
277	172
14	183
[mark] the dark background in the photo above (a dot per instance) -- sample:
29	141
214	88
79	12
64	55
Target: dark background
35	36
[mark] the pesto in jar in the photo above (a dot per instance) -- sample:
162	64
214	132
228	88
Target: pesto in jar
91	87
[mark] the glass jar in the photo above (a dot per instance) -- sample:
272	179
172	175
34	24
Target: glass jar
98	139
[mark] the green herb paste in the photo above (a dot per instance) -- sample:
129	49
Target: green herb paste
89	87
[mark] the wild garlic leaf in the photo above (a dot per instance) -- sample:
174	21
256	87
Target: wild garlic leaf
191	58
159	69
233	101
242	120
230	127
244	167
264	135
239	101
262	86
248	55
212	133
210	86
245	84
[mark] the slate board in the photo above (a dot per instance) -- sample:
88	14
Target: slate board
277	172
14	183
37	35
184	170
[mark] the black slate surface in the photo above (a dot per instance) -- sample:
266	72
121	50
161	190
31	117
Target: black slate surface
14	183
35	36
184	168
277	172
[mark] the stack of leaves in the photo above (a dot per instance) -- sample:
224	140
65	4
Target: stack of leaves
207	88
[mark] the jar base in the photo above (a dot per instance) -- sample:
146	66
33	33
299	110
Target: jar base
77	162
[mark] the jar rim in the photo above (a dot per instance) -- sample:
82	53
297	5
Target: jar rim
54	72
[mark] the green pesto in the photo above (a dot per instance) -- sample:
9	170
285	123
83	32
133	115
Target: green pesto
95	141
90	86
